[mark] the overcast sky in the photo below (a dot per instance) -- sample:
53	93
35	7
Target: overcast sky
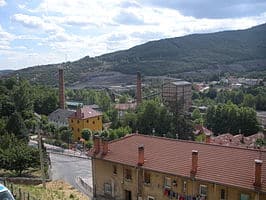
35	32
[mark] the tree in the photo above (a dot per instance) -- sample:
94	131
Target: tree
86	134
66	135
16	155
197	117
123	99
46	102
183	127
229	118
249	101
22	97
17	126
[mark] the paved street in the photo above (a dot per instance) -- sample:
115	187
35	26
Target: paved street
71	169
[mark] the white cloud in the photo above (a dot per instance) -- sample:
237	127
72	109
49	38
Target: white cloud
34	22
5	39
79	28
2	3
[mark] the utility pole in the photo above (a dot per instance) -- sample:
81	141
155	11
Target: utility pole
41	158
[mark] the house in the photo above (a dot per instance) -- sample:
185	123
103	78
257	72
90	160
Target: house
122	108
238	140
261	116
73	105
85	117
177	95
154	168
202	133
60	116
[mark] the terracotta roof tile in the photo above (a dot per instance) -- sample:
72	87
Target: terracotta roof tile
85	112
225	165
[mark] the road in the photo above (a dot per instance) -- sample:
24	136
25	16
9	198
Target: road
69	169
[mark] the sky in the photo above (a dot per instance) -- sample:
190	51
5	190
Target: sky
36	32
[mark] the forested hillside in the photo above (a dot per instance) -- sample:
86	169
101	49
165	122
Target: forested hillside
194	56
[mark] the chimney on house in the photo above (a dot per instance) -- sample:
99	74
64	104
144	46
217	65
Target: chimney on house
138	92
208	139
141	155
104	146
258	164
79	112
61	89
96	144
194	162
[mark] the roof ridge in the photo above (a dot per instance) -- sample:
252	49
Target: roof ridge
195	142
123	138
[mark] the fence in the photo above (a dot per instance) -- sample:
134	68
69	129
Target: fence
18	193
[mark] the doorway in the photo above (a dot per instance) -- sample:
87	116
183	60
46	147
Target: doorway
128	195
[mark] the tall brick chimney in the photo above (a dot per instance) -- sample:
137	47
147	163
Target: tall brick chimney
61	89
138	91
194	162
258	164
141	155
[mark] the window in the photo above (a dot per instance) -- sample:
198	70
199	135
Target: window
184	186
244	197
78	121
222	195
107	188
128	174
78	129
151	198
93	122
72	129
167	182
147	178
203	190
98	118
87	121
71	120
114	169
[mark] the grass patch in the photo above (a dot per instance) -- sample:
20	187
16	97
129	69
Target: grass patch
55	190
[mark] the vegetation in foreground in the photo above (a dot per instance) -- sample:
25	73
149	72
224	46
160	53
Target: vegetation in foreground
54	190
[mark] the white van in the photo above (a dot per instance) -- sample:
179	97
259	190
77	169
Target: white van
5	194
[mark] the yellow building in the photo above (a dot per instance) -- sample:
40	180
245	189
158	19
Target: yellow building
85	117
139	167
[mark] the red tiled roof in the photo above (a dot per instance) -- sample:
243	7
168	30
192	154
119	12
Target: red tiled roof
238	140
126	106
202	129
85	112
224	165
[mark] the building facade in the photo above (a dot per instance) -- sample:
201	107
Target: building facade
139	167
85	117
60	117
177	95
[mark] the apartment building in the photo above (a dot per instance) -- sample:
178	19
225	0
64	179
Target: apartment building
141	167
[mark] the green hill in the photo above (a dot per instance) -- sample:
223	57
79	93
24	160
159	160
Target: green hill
192	56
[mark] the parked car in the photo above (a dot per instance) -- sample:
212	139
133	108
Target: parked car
5	194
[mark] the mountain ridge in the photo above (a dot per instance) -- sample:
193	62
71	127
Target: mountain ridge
182	57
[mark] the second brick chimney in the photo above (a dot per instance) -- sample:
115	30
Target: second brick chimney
194	162
141	155
138	90
258	164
